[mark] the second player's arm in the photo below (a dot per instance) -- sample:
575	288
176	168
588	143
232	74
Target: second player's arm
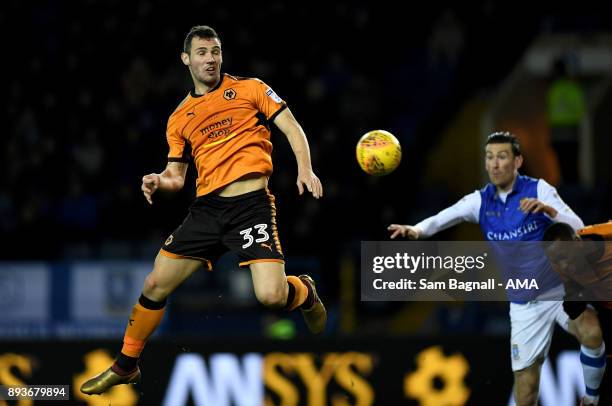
466	209
287	123
172	179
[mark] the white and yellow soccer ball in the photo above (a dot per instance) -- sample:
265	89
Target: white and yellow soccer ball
378	152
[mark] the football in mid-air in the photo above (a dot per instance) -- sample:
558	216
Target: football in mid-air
378	152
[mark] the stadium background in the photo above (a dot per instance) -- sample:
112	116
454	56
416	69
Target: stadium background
89	87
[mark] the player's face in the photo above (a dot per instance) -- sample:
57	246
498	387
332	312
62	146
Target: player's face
204	60
559	255
501	164
564	254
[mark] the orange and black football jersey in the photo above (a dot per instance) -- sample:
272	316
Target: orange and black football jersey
600	232
226	131
602	262
602	229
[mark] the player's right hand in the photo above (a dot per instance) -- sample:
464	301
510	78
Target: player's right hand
412	233
150	183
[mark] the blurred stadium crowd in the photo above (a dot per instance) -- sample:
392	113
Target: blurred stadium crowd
91	84
88	102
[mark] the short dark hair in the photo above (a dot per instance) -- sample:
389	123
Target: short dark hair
559	232
200	31
505	137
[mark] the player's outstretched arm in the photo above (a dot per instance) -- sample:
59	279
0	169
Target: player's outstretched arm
466	209
287	123
172	179
410	232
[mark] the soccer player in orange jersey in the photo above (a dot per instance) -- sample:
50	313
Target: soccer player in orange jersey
586	269
223	124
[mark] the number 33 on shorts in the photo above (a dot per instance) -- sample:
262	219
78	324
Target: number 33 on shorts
261	235
259	243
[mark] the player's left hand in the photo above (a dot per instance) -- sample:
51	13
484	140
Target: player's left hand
533	205
313	184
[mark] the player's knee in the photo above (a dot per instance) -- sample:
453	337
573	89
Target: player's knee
153	290
150	284
527	398
591	338
589	331
273	298
526	395
526	385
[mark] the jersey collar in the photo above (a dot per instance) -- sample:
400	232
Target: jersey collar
194	95
518	181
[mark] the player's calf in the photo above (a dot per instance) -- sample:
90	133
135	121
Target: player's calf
146	316
313	309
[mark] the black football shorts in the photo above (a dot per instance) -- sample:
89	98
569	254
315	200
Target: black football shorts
245	224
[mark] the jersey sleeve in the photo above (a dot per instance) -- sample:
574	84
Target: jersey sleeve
179	148
266	100
548	195
466	209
